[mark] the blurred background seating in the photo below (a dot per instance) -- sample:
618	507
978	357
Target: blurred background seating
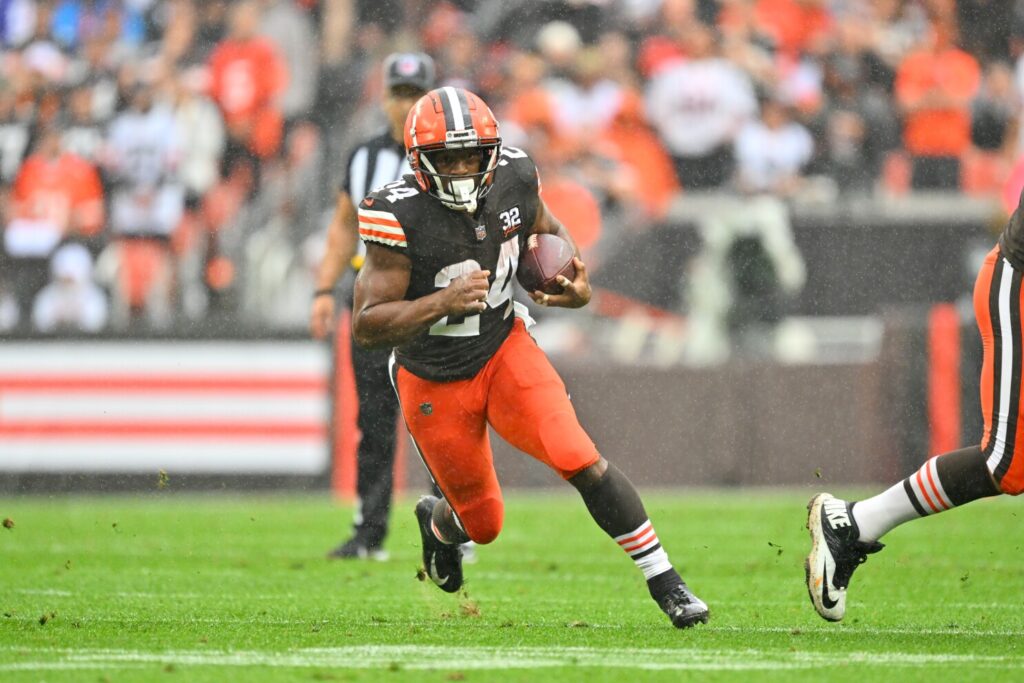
218	129
750	180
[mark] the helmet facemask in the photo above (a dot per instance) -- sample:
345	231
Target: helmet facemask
460	192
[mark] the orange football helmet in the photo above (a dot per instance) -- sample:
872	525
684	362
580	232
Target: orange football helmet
452	118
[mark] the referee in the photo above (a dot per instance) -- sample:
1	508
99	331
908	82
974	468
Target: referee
375	162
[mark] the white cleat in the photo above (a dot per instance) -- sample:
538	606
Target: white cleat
835	553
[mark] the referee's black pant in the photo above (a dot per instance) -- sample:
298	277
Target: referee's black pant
378	412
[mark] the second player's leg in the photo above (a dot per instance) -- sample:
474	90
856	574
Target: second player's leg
997	306
844	533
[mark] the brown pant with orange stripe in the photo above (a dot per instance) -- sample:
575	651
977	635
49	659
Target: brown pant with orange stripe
997	307
517	393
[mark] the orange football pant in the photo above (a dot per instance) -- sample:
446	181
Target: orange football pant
517	393
997	307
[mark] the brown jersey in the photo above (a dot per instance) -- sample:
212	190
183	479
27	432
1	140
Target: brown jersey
444	244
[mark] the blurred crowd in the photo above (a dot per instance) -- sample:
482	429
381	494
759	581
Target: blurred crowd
168	162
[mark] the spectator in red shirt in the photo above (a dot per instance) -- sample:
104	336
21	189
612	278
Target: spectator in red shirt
247	78
795	25
57	192
935	84
56	195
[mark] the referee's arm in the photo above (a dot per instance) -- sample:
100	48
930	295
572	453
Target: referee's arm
341	246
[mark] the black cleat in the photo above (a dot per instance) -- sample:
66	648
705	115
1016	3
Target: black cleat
835	553
441	562
683	608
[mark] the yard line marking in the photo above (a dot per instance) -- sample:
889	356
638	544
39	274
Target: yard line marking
429	657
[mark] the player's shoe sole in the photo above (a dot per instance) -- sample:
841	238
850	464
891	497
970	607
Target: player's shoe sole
828	600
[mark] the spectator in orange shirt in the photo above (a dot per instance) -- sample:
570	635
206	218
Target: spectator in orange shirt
247	78
637	147
935	84
56	195
796	26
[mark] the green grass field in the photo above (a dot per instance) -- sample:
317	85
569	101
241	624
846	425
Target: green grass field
164	587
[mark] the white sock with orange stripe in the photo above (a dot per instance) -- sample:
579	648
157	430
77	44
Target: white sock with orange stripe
941	483
643	547
876	516
615	505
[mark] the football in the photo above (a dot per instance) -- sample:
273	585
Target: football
545	258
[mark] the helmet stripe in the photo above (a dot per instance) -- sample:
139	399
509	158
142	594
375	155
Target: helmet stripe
446	108
467	118
454	114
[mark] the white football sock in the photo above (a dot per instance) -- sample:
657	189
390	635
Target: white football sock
878	515
643	546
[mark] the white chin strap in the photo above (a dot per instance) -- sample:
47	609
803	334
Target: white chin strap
464	193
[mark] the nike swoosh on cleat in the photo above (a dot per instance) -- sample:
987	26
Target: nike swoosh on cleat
439	580
828	602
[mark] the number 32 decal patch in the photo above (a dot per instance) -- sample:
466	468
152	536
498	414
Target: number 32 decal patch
510	221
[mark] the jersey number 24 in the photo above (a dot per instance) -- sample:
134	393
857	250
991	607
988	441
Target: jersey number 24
500	293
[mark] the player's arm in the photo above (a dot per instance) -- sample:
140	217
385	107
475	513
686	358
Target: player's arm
341	245
575	293
382	316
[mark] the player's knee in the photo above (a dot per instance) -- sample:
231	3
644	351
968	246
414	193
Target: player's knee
483	519
588	477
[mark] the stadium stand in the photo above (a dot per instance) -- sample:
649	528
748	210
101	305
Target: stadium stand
251	106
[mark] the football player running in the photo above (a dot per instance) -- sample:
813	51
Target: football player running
442	247
844	533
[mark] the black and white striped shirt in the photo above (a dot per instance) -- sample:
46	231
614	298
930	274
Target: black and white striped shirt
378	161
